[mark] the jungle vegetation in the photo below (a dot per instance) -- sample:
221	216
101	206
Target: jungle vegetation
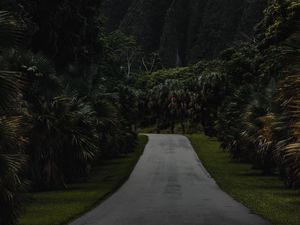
247	97
57	118
73	91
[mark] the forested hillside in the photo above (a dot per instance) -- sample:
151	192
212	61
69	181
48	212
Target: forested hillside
185	31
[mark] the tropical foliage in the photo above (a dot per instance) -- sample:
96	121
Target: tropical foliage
56	119
12	159
72	94
248	98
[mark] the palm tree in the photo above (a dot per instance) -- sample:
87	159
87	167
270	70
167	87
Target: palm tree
12	30
11	139
11	35
212	87
12	163
178	101
290	97
63	141
257	127
230	120
158	104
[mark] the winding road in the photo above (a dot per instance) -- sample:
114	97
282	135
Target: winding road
170	186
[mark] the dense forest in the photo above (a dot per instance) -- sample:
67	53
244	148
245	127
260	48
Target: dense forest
247	97
78	78
57	116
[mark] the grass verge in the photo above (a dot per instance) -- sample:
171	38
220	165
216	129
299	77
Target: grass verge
60	207
264	195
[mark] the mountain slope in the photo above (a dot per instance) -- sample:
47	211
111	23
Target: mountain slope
185	31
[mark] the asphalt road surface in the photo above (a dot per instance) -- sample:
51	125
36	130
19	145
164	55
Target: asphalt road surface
169	186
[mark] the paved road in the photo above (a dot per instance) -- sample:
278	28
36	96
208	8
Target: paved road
169	186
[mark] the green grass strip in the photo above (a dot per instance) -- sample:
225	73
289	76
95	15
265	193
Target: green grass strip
60	207
264	195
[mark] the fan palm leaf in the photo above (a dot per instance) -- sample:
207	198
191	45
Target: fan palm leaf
11	165
64	140
11	85
11	30
290	99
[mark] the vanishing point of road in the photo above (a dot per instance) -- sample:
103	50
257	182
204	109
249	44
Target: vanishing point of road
170	186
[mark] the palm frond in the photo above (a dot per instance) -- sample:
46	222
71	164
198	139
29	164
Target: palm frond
11	165
11	85
289	96
11	30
